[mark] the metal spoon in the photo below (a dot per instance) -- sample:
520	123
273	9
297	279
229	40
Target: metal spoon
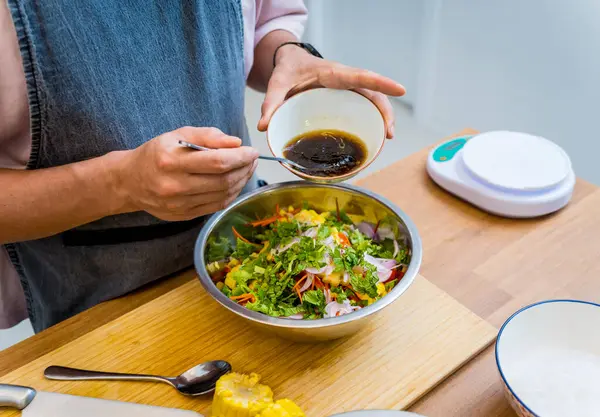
268	158
199	380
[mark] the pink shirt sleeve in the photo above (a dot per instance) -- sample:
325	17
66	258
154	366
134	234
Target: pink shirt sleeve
272	15
15	145
264	16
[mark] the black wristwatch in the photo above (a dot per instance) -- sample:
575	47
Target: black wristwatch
306	46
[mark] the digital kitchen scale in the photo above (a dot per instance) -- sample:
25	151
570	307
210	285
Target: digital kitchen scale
509	174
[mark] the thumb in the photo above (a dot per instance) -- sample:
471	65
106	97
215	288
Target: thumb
273	99
210	137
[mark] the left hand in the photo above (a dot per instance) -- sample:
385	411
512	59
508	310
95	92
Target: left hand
297	70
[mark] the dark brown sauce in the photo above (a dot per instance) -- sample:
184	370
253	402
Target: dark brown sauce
326	153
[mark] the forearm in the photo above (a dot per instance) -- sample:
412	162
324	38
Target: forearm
44	202
262	69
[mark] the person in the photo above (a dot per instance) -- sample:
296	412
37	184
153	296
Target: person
96	196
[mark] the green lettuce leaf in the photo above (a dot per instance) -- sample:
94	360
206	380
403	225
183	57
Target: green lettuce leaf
314	297
218	248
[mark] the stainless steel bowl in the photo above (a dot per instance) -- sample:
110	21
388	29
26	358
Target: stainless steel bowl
262	202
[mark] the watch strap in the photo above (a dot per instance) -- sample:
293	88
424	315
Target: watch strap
306	46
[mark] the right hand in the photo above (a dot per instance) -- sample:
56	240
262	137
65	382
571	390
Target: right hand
175	183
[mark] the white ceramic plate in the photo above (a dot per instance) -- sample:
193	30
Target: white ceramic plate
548	355
325	108
378	413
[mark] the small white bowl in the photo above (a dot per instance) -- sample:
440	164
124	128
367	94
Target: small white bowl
325	108
548	355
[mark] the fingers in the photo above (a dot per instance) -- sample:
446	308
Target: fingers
209	137
343	77
190	207
185	204
195	183
221	197
336	76
276	95
384	106
218	161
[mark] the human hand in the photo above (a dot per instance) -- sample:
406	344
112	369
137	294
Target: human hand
175	183
297	70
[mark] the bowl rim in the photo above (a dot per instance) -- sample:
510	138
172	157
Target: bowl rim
260	318
507	322
336	178
378	412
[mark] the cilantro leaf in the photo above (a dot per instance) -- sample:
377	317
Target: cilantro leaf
244	249
323	233
366	284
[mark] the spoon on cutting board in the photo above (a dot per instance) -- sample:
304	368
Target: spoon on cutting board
267	158
199	380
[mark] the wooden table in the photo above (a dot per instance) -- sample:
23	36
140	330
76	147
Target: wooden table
493	266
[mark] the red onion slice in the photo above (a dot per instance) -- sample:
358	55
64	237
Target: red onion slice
280	249
326	270
334	309
312	232
307	283
367	229
330	243
384	266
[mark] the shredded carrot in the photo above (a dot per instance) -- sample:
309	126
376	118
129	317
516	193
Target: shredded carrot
237	235
297	286
242	238
376	226
300	280
239	297
318	283
265	222
244	298
344	239
277	209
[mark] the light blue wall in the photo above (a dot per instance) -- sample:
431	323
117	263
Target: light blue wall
532	66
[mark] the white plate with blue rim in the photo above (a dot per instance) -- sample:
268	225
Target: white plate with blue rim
548	356
378	413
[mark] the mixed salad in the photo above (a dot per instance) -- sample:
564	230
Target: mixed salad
301	264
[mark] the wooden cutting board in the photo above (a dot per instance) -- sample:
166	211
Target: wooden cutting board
409	348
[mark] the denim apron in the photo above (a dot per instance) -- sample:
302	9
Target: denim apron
110	75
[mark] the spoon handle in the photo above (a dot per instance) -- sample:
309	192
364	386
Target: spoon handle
61	373
274	158
268	158
193	146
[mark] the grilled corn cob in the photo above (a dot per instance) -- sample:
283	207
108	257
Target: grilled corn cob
282	408
239	395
